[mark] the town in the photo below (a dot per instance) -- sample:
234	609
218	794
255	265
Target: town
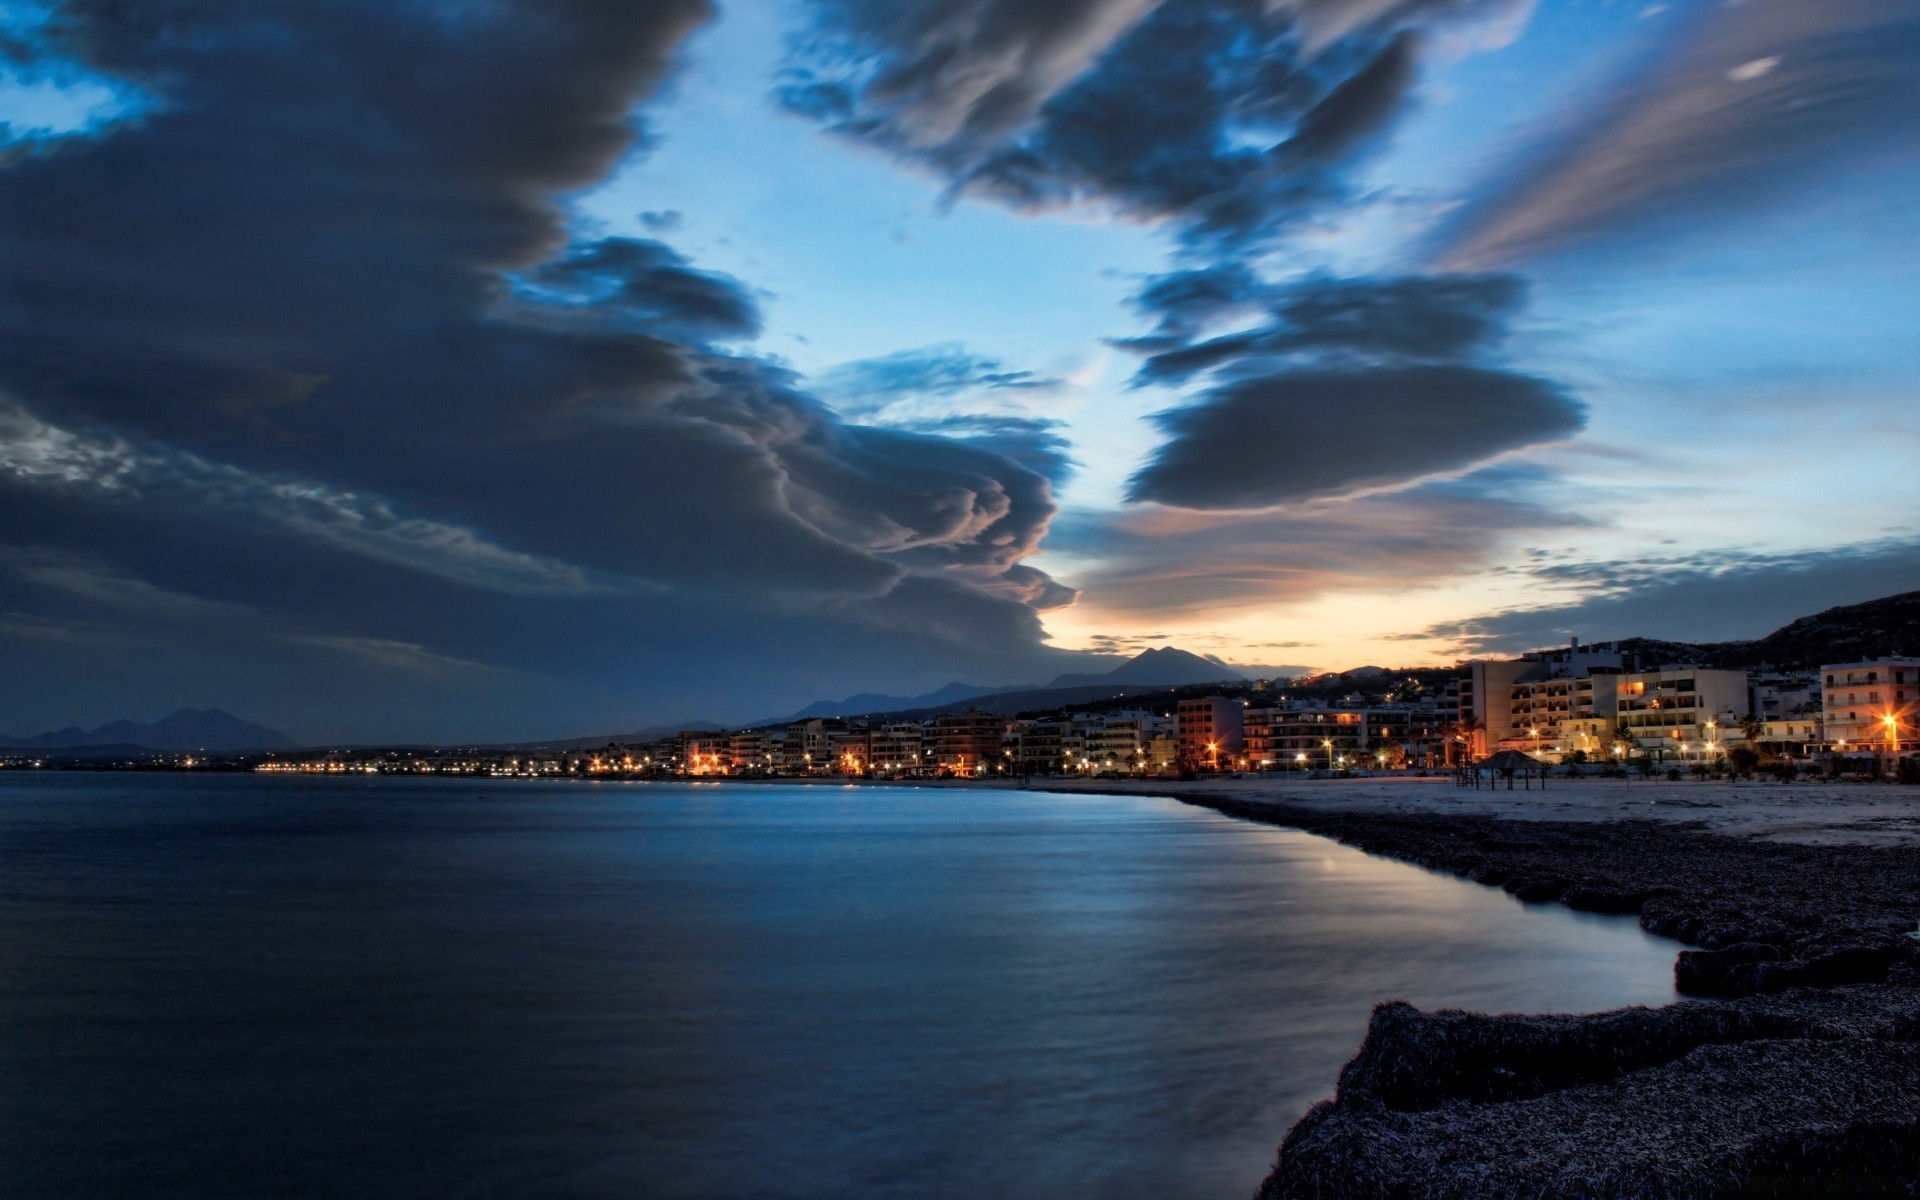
1598	708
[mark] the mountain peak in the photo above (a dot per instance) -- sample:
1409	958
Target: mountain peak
183	729
1167	666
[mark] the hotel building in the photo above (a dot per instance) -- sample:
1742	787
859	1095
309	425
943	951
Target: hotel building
1209	732
1871	705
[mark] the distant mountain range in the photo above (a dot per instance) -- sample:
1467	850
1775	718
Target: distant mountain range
188	729
1164	666
1848	633
1151	670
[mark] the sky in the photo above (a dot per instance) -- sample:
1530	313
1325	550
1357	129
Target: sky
480	370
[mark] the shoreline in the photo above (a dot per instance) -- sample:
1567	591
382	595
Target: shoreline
1792	1066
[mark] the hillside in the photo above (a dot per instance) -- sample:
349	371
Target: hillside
1848	633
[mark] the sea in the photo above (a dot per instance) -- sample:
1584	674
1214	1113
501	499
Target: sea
368	987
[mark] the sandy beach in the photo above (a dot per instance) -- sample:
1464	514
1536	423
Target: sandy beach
1808	812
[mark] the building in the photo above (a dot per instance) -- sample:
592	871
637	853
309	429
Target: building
969	744
851	751
1209	732
704	753
897	749
1038	747
1256	725
1772	696
750	752
1490	689
1871	705
1123	741
1681	712
1163	753
1797	735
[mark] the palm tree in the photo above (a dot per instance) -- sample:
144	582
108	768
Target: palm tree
1470	730
1752	728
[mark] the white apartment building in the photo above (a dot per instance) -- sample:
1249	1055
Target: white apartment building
1682	712
1123	741
1490	689
1871	704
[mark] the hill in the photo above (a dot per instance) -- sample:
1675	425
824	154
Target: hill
188	729
1847	633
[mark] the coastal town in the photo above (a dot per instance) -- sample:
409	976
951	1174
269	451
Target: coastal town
1587	709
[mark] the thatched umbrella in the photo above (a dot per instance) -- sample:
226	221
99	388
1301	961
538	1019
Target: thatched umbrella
1508	763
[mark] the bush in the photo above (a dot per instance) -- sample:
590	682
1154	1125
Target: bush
1909	771
1742	760
1673	774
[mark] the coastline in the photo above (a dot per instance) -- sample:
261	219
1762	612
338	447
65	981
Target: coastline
1793	1067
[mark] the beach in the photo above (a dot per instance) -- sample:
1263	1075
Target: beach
1795	1066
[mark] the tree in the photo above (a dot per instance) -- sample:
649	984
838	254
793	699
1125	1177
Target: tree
1742	760
1470	730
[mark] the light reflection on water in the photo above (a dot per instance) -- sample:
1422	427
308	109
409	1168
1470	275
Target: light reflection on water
225	986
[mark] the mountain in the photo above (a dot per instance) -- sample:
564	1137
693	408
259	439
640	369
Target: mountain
637	737
1165	666
187	729
1149	670
866	702
1847	633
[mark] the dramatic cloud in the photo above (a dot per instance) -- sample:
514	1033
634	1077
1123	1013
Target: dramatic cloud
1036	443
1351	384
1233	118
1165	564
1711	597
320	297
1437	318
1305	433
1753	101
911	378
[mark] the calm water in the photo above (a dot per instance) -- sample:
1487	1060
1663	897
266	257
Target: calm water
379	988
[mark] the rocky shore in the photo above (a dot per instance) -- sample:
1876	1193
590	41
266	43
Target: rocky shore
1794	1071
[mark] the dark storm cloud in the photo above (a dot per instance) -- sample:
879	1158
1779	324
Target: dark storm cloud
1261	442
1233	121
319	298
1350	384
1034	442
1435	318
647	286
1233	118
1751	102
1712	597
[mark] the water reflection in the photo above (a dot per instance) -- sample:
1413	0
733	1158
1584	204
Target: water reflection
366	988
